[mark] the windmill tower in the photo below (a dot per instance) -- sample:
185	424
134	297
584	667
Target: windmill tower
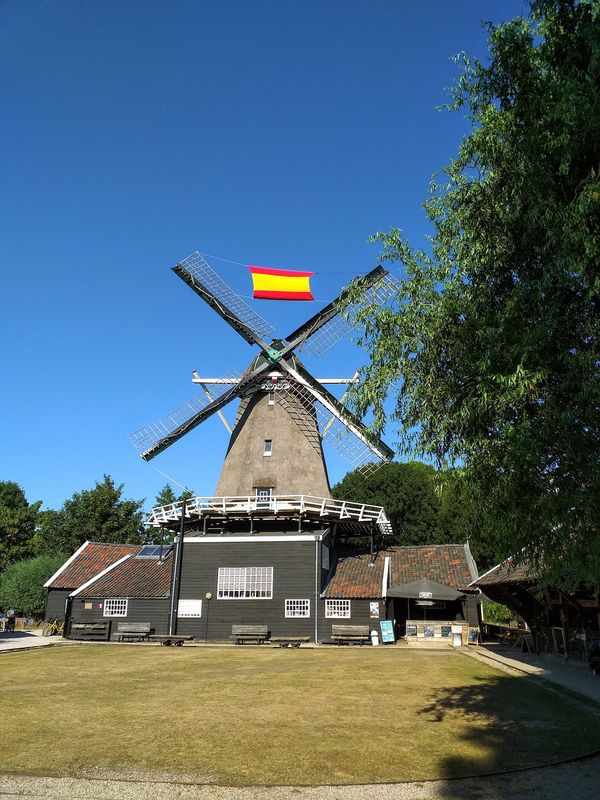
285	414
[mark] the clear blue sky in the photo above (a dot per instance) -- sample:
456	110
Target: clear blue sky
279	134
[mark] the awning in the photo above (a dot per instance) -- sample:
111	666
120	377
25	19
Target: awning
424	589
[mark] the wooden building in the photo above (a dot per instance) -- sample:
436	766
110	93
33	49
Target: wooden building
564	623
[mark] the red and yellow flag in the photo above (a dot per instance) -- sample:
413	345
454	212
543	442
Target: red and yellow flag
280	284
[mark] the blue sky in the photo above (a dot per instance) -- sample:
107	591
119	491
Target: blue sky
274	133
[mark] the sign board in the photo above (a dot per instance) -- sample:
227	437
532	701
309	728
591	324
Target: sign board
527	644
425	595
423	602
429	631
411	630
473	636
374	610
387	630
445	630
456	628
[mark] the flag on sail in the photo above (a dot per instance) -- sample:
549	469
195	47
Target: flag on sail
280	284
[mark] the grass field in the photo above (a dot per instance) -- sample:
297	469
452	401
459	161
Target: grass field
272	716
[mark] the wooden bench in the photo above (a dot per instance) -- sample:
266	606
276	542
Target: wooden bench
168	640
249	633
133	631
98	630
289	641
350	634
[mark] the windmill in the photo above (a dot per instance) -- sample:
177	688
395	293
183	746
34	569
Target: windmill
285	413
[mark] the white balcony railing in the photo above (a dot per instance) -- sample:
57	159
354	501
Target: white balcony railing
286	506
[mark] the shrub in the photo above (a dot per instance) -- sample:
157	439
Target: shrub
22	584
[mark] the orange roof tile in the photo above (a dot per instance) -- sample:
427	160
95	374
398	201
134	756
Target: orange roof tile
89	561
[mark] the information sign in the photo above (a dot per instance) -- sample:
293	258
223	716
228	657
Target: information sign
473	636
387	630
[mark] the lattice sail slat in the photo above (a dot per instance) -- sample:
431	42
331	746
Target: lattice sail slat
201	270
339	327
334	432
149	435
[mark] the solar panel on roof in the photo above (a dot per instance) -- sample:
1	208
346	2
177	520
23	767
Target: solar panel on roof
154	551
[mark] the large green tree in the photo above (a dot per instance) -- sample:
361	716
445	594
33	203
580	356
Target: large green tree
18	520
494	343
100	514
408	494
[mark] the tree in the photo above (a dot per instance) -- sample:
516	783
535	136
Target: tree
17	523
166	496
494	342
99	514
406	491
22	584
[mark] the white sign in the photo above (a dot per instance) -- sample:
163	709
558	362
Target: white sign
374	610
273	387
426	595
189	608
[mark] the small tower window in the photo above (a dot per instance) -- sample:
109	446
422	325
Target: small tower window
263	496
268	448
271	398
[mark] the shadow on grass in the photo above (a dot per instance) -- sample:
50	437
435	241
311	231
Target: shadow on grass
504	723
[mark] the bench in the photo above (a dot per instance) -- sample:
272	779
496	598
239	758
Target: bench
350	634
96	630
167	640
133	631
289	641
249	633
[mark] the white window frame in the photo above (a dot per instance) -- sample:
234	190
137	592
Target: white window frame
268	447
115	607
189	608
245	583
263	500
338	609
297	609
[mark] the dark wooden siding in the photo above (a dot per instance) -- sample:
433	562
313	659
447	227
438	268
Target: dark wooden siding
293	579
360	611
139	609
471	610
55	603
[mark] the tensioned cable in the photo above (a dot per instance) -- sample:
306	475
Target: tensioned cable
240	264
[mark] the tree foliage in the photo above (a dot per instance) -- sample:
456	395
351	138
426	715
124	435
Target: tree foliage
99	514
17	523
406	491
423	505
22	584
494	341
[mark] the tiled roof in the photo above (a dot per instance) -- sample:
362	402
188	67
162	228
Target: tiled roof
451	565
506	572
134	577
355	576
89	561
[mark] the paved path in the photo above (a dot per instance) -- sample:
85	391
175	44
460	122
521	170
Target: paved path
24	640
573	675
579	779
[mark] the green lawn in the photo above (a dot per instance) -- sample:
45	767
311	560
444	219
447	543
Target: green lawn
272	716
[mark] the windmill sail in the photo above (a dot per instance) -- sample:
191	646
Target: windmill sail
173	425
200	276
329	326
345	434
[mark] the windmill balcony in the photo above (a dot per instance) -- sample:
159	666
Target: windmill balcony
281	506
